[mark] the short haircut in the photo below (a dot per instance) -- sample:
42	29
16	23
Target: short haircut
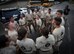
45	32
21	33
58	20
60	11
3	40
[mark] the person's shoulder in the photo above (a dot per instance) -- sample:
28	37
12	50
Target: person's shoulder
39	38
56	31
15	22
62	27
51	36
30	40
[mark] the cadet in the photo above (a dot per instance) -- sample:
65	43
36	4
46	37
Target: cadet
22	21
45	42
38	21
59	14
58	32
26	45
12	33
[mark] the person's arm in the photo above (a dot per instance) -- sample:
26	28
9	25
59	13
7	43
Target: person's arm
55	34
52	40
39	44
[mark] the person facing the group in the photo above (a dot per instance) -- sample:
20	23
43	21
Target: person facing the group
12	33
44	43
26	45
58	32
59	14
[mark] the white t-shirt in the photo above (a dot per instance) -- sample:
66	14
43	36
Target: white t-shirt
22	21
39	22
29	17
13	35
26	45
42	41
58	33
42	14
63	21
